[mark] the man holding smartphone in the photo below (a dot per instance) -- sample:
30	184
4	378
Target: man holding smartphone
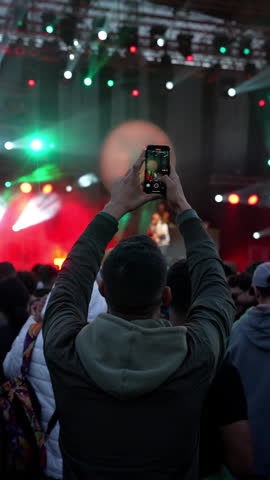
129	387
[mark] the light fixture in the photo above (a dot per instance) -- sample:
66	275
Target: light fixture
9	145
69	188
256	235
169	85
102	35
231	92
219	198
233	199
87	180
68	74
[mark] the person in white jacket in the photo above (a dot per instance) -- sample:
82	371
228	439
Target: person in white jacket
40	379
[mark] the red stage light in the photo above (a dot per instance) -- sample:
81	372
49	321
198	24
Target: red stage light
135	93
233	198
31	83
47	189
26	187
133	49
253	199
189	58
262	103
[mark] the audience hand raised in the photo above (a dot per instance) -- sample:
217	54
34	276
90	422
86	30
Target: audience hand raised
175	195
127	193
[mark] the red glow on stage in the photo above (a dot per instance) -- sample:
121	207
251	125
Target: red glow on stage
262	103
47	189
189	58
58	262
50	239
31	83
135	93
26	187
233	199
253	199
133	49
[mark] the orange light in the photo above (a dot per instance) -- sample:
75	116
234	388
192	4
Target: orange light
233	198
26	187
58	262
253	199
47	189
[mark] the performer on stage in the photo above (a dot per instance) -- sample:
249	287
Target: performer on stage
159	232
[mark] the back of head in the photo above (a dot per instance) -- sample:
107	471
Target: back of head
14	299
7	270
48	274
241	280
261	280
29	281
252	267
134	277
178	280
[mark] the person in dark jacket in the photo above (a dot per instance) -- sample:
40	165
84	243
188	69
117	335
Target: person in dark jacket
129	387
225	431
14	299
249	351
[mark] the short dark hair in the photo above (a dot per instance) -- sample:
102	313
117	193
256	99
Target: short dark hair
242	280
6	270
252	267
134	276
264	291
178	279
48	274
28	279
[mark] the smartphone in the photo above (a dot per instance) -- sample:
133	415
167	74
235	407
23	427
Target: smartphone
157	163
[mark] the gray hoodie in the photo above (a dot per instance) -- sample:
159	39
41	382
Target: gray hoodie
249	351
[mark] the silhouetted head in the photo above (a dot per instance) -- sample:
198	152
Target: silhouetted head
134	279
7	270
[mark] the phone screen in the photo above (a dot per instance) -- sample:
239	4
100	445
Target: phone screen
157	163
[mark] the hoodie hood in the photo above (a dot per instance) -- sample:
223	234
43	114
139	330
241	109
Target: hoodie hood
256	325
128	359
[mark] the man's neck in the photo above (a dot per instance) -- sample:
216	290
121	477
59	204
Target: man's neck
138	316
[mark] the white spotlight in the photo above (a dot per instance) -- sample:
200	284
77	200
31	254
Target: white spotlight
68	74
231	92
218	198
256	235
71	56
87	180
39	209
102	35
69	188
76	42
160	42
169	85
9	145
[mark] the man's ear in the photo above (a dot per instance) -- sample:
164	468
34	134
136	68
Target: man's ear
101	287
167	296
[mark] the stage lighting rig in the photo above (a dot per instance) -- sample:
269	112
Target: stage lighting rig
185	44
67	29
158	36
221	44
128	38
48	22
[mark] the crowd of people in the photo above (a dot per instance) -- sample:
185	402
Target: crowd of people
150	372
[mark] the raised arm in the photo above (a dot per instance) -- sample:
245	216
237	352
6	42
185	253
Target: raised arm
212	310
67	309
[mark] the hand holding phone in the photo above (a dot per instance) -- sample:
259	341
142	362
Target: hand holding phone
157	164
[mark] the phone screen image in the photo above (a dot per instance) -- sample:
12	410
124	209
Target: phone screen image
157	163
